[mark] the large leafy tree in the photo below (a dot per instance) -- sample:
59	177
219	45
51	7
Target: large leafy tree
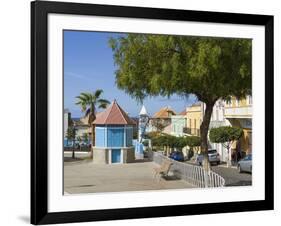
192	142
225	135
209	68
89	102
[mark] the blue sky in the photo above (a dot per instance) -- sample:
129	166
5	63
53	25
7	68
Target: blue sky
89	65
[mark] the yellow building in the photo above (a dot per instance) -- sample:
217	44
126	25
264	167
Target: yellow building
236	113
194	117
239	114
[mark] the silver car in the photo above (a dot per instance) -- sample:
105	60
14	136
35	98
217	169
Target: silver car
213	156
245	165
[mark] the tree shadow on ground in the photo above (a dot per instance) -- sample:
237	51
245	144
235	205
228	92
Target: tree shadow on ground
171	177
174	175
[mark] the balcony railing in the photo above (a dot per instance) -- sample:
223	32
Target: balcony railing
238	112
215	124
191	131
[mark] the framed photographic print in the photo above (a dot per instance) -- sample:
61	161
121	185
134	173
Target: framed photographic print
144	112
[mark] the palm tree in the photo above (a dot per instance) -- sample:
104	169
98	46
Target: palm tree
89	102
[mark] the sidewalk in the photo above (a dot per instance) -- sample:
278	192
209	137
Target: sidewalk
225	166
86	177
220	165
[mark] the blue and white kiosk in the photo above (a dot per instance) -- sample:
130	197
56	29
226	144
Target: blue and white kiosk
113	136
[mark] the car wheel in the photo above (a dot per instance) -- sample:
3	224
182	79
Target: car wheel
239	169
218	163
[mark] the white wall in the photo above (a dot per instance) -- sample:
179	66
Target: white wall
15	96
65	121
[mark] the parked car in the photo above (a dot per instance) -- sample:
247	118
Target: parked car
177	155
213	155
245	165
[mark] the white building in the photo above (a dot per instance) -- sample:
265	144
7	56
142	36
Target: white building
81	127
217	120
66	121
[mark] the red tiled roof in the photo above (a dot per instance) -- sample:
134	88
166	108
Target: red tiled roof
113	115
164	112
183	112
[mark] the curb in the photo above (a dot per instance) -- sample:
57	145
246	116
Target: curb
230	167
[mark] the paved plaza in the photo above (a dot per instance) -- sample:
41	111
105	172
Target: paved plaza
86	177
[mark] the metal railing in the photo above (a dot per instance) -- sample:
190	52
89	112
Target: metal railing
191	131
193	174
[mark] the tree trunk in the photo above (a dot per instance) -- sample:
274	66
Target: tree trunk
93	126
204	128
228	159
228	146
73	151
94	134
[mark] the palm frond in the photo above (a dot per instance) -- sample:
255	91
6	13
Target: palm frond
103	103
84	107
85	94
97	93
88	102
81	99
103	106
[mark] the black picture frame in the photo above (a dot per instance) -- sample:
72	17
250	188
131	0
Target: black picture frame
39	112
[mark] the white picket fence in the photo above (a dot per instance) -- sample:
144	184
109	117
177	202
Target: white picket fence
193	174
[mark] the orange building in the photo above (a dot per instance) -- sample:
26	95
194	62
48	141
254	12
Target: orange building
161	119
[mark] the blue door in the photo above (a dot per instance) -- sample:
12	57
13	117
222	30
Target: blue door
115	155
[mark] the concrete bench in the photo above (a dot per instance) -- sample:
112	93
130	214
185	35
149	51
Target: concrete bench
163	170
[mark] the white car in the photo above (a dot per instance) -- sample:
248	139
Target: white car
245	165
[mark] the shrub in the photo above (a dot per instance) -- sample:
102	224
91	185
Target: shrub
145	143
193	141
